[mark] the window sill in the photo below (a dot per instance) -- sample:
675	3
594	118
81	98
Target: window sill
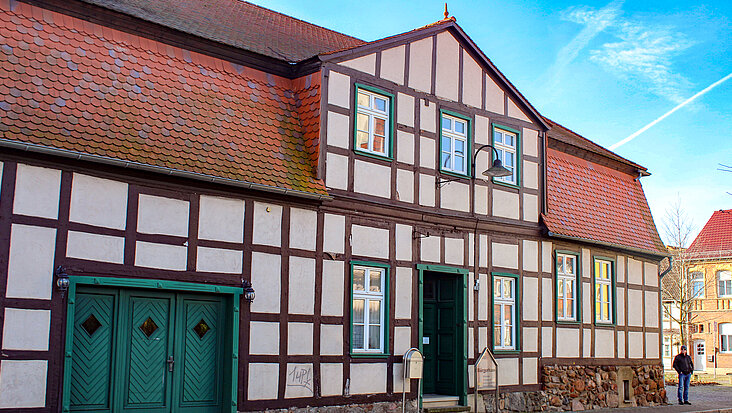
569	322
370	355
604	324
373	155
506	351
455	174
506	184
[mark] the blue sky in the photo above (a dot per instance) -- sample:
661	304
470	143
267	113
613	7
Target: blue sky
603	69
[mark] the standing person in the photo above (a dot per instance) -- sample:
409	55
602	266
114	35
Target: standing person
684	366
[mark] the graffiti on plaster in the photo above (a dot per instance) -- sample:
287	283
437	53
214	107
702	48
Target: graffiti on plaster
300	376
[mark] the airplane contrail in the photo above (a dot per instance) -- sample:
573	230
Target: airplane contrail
667	114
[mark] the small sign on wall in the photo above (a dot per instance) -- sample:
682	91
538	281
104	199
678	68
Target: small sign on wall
425	340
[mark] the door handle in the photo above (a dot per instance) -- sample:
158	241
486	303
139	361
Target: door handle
170	363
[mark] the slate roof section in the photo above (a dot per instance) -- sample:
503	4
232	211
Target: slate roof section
598	204
79	87
238	23
715	239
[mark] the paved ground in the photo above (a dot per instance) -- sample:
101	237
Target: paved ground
703	399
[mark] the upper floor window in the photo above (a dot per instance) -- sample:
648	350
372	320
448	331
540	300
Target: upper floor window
454	145
567	287
504	313
697	284
724	284
368	306
603	291
725	337
373	123
506	142
667	346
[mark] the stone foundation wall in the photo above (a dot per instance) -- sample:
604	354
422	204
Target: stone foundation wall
383	407
586	388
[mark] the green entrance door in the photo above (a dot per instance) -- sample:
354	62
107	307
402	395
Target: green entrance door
147	351
441	334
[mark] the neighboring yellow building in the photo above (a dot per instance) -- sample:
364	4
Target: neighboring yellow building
710	270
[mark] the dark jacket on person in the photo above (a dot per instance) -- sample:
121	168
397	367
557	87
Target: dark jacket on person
683	364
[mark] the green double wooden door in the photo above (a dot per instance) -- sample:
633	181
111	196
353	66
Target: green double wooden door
441	334
147	351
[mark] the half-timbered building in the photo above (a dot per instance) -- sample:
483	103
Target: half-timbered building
162	158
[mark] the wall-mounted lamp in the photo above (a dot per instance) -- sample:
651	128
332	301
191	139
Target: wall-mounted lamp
62	280
248	291
495	171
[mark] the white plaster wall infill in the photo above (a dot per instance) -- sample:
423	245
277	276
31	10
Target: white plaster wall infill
333	285
302	285
368	378
621	344
455	196
651	307
531	208
161	215
546	256
420	64
568	342
620	306
337	134
299	380
531	294
405	147
454	251
635	308
428	116
635	344
366	64
483	250
650	273
586	342
472	73
402	339
505	204
531	255
334	233
267	224
30	264
530	339
494	96
392	64
331	340
531	370
586	297
95	247
515	112
447	76
99	202
221	219
23	383
331	379
530	175
303	228
546	341
505	255
399	378
635	271
37	191
547	299
481	199
427	148
161	256
620	271
369	241
339	90
266	280
483	297
264	338
300	339
403	294
336	171
372	179
652	345
482	130
263	381
403	242
530	142
430	248
405	109
405	185
508	371
426	190
26	329
482	337
219	260
604	343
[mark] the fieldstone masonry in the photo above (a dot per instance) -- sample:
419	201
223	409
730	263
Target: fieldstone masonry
586	388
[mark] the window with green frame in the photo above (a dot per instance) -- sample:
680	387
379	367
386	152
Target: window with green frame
507	142
505	312
568	281
604	280
373	130
369	308
455	143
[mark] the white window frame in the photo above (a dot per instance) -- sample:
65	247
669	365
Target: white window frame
367	297
506	151
565	278
372	113
697	277
666	346
454	136
725	338
724	276
506	303
599	281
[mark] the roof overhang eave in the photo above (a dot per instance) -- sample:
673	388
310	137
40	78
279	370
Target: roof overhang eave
41	149
609	244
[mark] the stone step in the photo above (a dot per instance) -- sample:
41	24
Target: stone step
448	409
439	400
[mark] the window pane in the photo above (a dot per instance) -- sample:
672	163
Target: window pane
363	99
379	126
374	337
508	336
508	315
560	265
509	160
358	311
379	144
509	140
606	312
358	331
570	308
375	280
359	275
362	140
497	137
459	147
374	312
446	160
560	307
459	127
497	287
569	265
497	336
380	104
508	288
606	293
459	164
570	289
497	313
446	123
363	122
598	310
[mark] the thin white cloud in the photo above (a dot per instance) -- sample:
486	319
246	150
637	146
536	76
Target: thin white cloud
595	22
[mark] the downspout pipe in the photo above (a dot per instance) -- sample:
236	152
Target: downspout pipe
670	266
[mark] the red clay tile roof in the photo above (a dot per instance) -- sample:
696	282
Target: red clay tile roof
239	24
715	239
72	85
598	204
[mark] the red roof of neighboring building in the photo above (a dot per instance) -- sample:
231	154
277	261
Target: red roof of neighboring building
599	204
240	24
715	239
72	85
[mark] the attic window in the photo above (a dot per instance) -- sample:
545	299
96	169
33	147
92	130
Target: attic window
507	142
373	122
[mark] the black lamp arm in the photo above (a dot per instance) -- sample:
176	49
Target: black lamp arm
475	156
